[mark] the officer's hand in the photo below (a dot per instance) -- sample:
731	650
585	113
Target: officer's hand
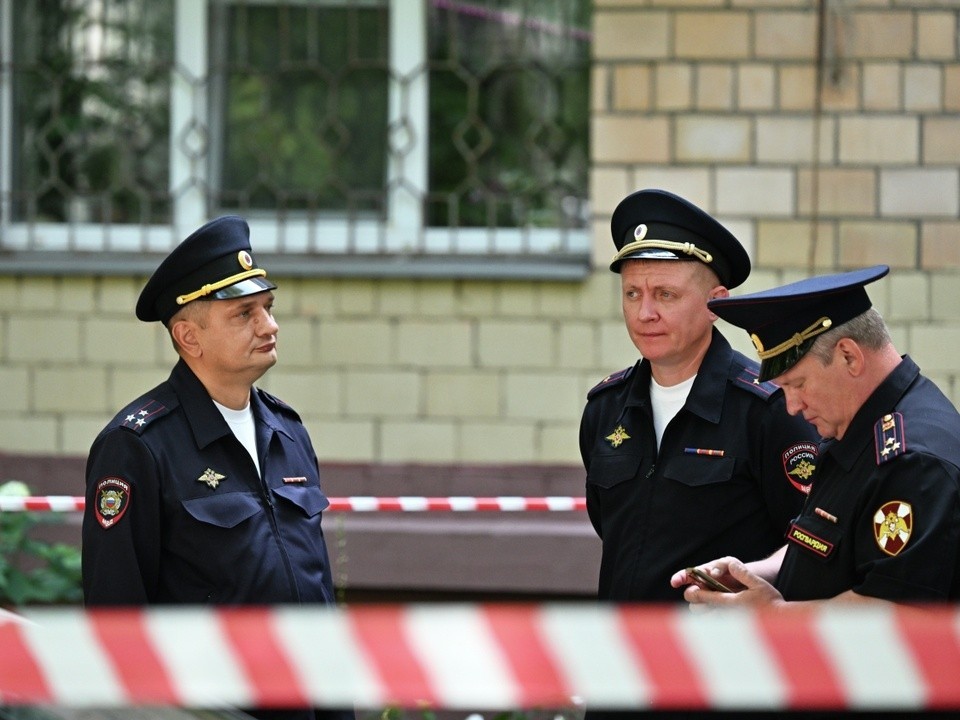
710	576
748	588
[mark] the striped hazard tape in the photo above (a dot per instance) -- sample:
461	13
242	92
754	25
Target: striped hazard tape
488	656
408	503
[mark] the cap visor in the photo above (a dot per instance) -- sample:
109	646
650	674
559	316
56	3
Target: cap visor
250	286
779	364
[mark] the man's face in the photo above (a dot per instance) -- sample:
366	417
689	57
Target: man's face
239	336
665	309
820	393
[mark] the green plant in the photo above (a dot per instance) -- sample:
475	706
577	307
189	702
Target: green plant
31	570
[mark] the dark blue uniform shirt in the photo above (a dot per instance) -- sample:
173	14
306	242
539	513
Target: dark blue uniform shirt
177	513
883	518
659	512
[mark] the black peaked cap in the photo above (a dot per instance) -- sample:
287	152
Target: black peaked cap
658	225
785	321
214	262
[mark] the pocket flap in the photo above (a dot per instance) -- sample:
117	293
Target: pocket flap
697	470
227	510
609	470
308	498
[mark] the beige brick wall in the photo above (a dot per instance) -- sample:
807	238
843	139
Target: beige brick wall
713	99
867	172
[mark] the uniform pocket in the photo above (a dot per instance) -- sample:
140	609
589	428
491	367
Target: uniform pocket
226	511
698	470
308	498
609	470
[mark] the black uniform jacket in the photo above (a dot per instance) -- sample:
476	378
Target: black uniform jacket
177	513
657	513
883	518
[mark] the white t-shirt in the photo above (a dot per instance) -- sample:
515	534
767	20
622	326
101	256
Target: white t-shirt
241	422
667	402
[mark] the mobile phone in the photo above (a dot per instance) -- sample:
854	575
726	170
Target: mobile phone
707	581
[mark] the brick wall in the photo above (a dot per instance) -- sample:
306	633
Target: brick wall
715	100
382	371
719	101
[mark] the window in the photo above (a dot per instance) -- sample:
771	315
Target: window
357	136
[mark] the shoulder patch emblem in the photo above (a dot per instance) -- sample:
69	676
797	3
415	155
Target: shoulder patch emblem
889	437
799	462
111	501
892	526
611	380
139	419
748	379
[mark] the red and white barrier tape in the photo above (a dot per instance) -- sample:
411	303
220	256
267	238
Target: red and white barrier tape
408	503
485	656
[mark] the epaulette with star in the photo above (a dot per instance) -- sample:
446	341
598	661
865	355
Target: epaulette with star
749	379
138	420
610	381
889	438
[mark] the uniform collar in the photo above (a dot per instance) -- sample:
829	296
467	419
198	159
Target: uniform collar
205	421
706	396
882	401
263	409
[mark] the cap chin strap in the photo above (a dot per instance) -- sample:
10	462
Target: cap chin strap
220	284
687	248
820	326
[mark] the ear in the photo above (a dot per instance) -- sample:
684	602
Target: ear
719	291
184	333
851	355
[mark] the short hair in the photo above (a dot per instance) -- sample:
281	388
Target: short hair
867	329
195	311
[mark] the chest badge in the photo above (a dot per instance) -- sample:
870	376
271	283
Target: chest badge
892	526
211	478
617	437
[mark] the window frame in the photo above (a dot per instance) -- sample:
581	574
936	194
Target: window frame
400	246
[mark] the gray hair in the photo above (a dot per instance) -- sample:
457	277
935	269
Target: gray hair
867	329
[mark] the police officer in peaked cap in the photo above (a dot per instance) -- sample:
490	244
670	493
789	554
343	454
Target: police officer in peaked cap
688	455
206	489
882	522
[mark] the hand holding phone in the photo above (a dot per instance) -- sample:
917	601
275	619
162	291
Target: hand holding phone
707	581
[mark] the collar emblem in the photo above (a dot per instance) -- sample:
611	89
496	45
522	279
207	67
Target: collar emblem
211	478
617	437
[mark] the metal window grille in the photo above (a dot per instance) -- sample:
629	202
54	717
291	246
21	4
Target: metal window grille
357	136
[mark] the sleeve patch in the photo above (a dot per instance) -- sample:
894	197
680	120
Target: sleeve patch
889	439
111	501
892	526
610	381
799	462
